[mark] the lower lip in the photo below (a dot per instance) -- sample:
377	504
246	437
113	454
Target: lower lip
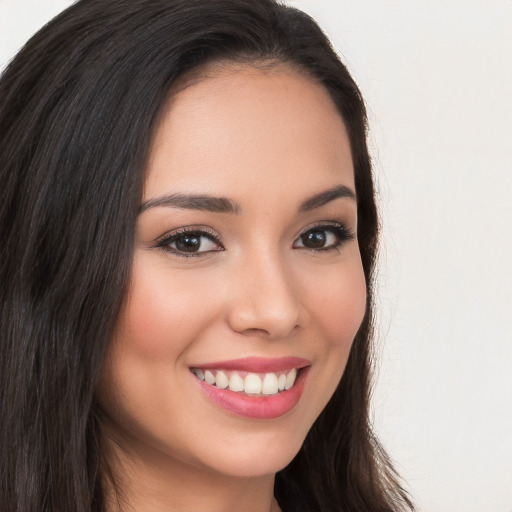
261	407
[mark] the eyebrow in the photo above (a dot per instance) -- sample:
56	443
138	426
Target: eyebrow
192	202
327	196
224	205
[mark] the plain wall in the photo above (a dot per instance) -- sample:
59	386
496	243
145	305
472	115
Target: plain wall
437	78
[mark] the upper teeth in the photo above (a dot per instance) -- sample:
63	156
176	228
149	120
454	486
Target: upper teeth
250	383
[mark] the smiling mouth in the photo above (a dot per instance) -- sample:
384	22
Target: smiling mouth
248	383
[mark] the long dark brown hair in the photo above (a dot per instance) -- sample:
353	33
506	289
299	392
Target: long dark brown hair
78	106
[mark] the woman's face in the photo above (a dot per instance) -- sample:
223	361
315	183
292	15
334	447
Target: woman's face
246	271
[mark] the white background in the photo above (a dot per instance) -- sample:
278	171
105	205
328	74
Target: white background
437	78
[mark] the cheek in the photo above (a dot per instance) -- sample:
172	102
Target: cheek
160	317
337	305
159	321
337	301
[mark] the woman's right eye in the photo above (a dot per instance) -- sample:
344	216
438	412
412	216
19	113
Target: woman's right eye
190	243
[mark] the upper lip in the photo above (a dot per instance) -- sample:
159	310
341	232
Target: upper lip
257	364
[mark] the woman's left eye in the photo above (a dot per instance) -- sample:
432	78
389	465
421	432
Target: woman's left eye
323	238
190	243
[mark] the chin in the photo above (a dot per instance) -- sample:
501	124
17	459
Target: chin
243	450
265	459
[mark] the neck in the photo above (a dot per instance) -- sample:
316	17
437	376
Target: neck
154	482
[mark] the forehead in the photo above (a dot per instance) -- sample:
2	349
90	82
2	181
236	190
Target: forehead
244	127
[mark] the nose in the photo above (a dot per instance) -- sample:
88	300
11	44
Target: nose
265	301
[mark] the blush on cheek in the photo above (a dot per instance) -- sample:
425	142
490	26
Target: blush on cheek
345	309
139	329
145	322
160	314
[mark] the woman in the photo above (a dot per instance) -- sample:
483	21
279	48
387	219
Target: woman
189	233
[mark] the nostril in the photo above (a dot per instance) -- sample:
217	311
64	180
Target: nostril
256	332
271	332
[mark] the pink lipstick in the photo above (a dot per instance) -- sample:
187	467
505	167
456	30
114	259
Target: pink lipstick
254	387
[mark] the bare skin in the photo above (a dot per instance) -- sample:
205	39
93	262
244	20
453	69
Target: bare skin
267	141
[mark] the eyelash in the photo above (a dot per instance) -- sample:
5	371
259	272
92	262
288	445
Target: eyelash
168	239
342	234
